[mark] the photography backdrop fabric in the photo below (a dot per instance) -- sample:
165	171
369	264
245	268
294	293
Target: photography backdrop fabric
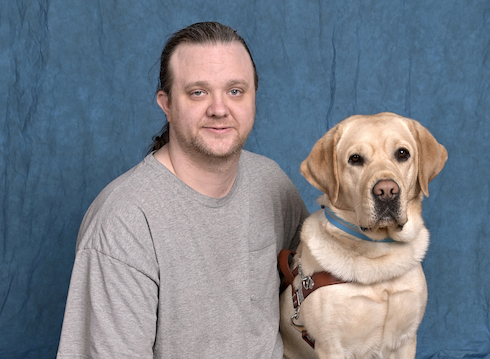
77	86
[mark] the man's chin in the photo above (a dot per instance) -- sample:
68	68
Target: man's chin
220	152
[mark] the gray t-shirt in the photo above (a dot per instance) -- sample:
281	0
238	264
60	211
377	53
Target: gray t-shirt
162	271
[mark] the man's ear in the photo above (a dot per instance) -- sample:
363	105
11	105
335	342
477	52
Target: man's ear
163	100
320	167
432	156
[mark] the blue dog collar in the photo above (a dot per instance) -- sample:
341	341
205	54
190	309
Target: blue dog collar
350	228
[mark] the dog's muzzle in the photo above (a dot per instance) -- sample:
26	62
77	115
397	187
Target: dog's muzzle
386	194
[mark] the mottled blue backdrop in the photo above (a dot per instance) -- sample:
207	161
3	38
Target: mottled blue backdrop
77	83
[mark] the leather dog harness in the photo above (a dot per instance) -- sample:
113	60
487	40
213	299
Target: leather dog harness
308	285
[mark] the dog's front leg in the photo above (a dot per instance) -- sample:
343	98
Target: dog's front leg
406	351
332	351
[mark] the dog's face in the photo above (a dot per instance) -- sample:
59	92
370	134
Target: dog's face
375	167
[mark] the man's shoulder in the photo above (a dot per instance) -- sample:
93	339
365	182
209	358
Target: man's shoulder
132	186
121	189
116	219
254	160
266	172
124	197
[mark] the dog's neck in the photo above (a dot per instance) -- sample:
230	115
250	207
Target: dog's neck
350	228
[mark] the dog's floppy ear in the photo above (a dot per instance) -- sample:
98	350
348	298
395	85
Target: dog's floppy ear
432	156
320	167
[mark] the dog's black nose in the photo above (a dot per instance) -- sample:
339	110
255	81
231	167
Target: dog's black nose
386	190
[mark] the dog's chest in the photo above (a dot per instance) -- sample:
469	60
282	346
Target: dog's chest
376	315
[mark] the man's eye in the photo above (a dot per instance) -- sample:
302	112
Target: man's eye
235	92
197	93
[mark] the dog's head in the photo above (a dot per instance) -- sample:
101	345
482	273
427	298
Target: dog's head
375	167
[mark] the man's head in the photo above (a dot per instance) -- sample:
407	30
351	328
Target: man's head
203	33
198	34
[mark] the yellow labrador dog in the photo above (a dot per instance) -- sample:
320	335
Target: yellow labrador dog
374	171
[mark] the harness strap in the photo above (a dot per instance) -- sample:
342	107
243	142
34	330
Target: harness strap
320	279
308	286
283	260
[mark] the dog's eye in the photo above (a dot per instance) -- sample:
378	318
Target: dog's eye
402	154
356	160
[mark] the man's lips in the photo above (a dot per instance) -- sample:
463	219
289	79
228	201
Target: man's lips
218	130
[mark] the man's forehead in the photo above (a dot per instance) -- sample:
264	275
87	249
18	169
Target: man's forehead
190	46
209	54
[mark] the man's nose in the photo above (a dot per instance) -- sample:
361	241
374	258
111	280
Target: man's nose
218	107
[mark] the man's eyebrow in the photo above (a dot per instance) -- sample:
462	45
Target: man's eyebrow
230	83
238	82
196	84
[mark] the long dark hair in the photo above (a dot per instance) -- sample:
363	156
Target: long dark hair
198	33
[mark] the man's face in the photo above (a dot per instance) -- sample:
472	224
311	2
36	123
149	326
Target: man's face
212	106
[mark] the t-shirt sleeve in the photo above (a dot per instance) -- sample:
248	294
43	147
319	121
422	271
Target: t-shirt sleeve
291	212
296	213
111	310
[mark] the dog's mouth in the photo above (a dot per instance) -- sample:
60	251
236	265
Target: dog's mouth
392	223
387	214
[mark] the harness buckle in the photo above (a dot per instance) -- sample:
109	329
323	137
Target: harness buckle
300	328
308	283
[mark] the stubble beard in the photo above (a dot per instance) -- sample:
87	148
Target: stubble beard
197	148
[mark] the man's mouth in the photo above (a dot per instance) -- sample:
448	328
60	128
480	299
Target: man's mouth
218	130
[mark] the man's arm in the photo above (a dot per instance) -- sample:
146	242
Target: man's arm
111	311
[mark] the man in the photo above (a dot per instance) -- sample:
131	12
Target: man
177	257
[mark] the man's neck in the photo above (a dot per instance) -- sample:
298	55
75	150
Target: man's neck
210	177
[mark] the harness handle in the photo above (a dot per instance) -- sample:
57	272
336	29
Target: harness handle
284	266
